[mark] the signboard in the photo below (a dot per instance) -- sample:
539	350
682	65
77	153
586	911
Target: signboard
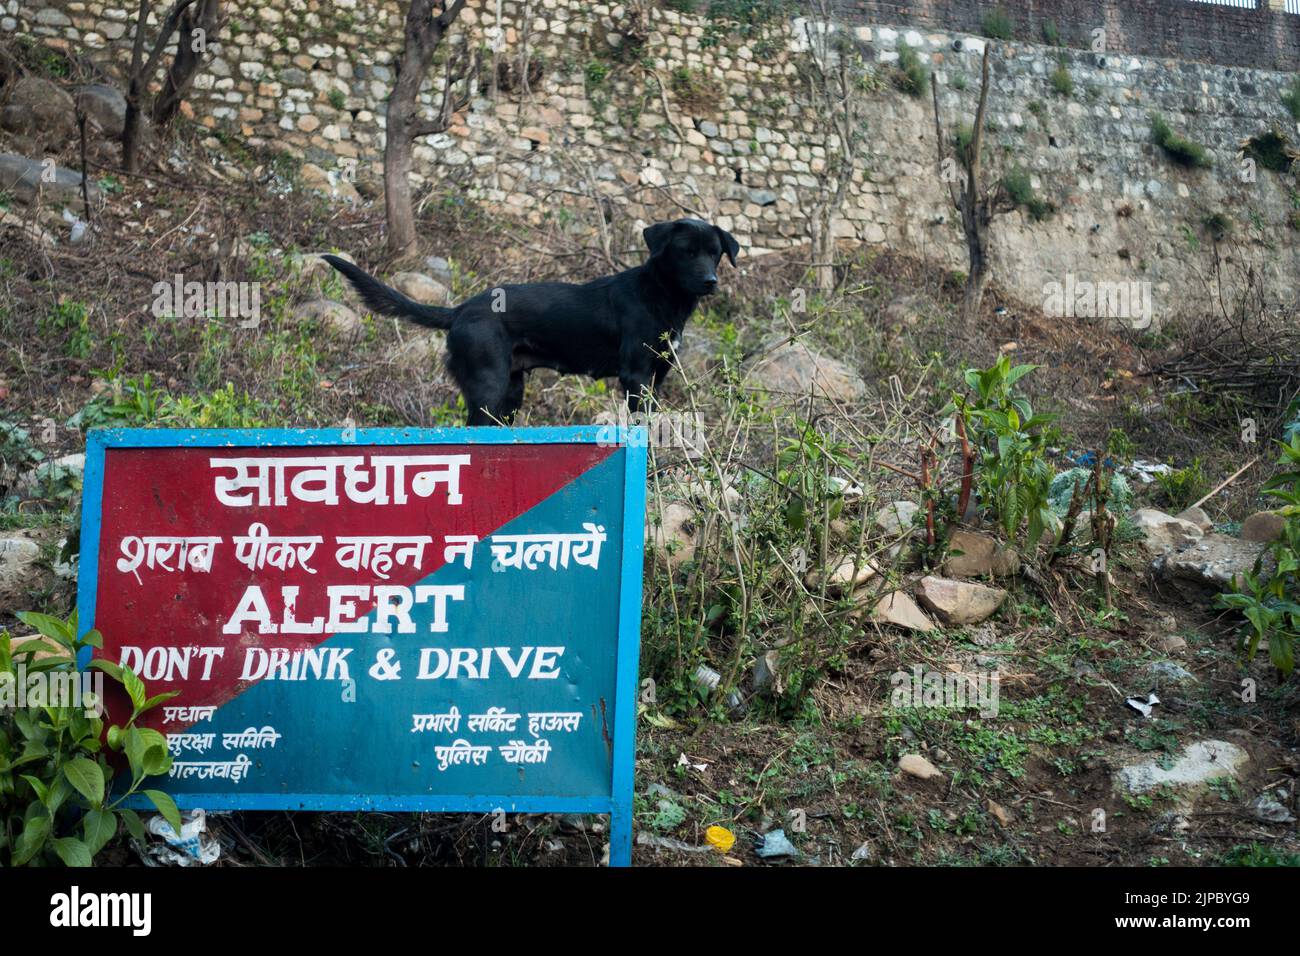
424	620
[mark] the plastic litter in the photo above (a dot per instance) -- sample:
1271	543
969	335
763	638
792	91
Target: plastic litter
1143	705
774	845
194	846
720	838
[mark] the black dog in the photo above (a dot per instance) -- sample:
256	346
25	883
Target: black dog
617	325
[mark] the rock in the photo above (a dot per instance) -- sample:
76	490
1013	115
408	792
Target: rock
333	315
1199	763
1263	527
900	610
972	554
1173	644
310	264
41	110
18	557
69	468
959	602
896	517
318	180
673	535
914	765
1198	517
796	369
844	577
439	268
999	813
421	288
1162	533
105	106
416	350
21	178
1170	672
1213	561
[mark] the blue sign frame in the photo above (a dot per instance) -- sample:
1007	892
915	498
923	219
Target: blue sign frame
634	440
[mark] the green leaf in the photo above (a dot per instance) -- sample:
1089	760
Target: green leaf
98	827
108	667
134	688
167	807
48	626
42	791
133	824
31	840
93	638
85	775
72	852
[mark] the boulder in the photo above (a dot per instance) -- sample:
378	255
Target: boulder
1198	764
332	315
22	178
105	107
900	610
18	557
896	517
310	265
38	109
959	602
844	576
1213	561
972	555
69	467
421	288
673	535
797	370
1162	533
439	268
1198	517
914	765
1263	527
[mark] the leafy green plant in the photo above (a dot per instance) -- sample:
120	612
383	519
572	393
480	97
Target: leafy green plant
57	797
1291	99
1012	475
1182	486
1062	81
1271	604
997	24
912	76
1019	188
17	455
1051	33
1178	148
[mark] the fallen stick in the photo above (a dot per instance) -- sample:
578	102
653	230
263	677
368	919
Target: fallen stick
1223	484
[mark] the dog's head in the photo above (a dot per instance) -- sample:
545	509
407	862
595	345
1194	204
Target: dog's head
689	251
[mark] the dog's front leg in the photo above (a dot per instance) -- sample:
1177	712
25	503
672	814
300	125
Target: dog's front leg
638	386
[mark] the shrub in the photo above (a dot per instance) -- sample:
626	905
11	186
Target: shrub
1272	150
1012	476
1051	33
1021	192
1181	150
1292	99
1062	81
997	24
1271	604
912	77
57	803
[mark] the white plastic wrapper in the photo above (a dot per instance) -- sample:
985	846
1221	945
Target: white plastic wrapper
194	845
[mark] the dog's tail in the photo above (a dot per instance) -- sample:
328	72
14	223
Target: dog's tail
386	300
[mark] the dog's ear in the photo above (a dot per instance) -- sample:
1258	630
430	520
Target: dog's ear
729	244
656	237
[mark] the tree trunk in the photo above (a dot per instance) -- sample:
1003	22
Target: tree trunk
180	77
135	90
823	246
423	33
